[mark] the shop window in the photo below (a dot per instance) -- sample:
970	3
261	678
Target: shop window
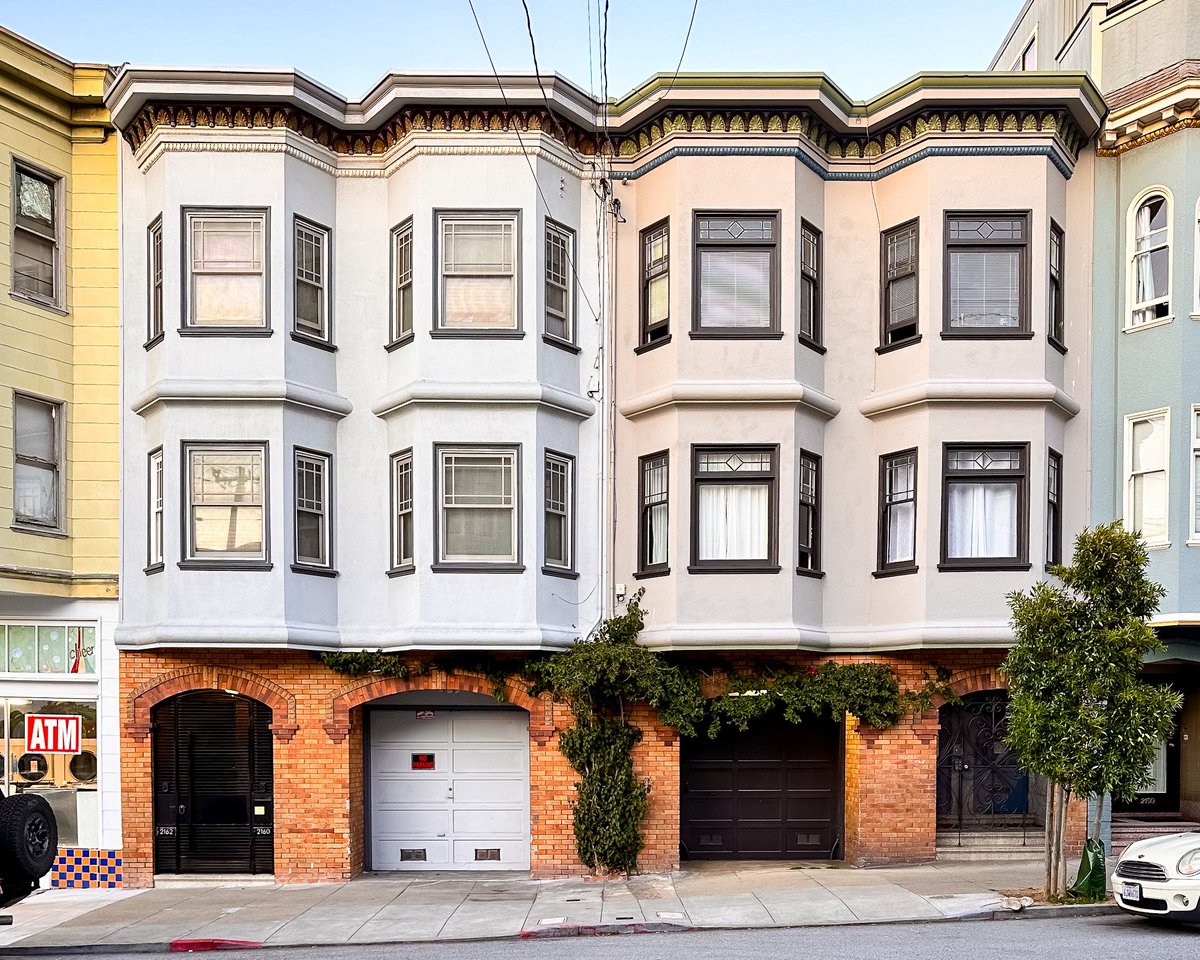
47	649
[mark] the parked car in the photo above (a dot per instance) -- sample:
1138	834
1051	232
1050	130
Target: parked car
1160	877
28	844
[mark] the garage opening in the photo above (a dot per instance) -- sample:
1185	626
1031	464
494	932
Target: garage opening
448	783
772	792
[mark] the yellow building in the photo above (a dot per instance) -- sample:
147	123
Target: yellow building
59	463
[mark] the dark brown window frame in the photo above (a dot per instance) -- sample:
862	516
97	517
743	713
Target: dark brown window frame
699	332
814	276
815	511
1054	492
1021	561
644	569
328	568
771	479
325	342
57	183
155	307
886	327
884	568
156	482
1056	322
647	338
1023	330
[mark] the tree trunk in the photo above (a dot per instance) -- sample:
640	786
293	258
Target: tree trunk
1049	838
1096	822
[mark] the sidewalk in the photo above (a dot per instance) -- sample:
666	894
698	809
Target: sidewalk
391	907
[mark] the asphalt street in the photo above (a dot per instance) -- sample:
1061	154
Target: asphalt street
1115	937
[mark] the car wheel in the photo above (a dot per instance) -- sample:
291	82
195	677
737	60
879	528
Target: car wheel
28	834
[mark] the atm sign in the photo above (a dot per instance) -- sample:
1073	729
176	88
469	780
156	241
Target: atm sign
53	733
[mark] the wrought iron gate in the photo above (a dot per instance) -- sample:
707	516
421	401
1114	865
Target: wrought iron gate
980	783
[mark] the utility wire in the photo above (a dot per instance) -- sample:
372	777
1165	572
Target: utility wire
686	38
537	74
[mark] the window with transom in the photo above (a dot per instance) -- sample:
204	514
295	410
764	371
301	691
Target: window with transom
478	272
984	505
986	258
736	274
227	272
734	504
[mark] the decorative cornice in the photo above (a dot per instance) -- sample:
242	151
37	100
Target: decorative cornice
242	391
1152	107
740	392
969	391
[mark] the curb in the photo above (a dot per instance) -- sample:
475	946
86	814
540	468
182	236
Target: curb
1057	911
603	930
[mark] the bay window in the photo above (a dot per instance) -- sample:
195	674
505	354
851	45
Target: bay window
313	509
478	508
559	494
734	507
656	283
1147	454
984	506
808	512
403	546
653	515
154	264
899	283
402	270
154	512
560	320
1057	318
311	305
898	512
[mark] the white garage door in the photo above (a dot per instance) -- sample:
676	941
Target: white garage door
449	790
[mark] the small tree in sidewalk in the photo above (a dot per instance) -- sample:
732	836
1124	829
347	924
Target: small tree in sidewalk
1079	713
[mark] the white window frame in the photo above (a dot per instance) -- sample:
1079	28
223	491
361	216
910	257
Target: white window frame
58	465
1128	325
566	236
567	512
155	502
219	558
1127	471
465	451
323	509
191	216
155	306
308	231
403	505
1194	516
58	197
444	218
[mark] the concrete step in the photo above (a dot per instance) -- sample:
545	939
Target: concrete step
955	854
1125	832
990	845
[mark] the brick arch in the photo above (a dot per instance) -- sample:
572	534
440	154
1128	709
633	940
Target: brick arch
974	681
365	689
166	685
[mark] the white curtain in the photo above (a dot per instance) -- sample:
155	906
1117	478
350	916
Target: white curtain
1143	265
901	519
733	522
657	547
982	520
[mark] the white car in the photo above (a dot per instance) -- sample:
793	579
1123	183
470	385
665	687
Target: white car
1160	877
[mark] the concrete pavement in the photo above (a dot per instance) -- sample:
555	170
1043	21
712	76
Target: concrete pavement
385	908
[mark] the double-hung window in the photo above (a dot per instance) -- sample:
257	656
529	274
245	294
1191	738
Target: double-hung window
899	282
985	505
312	301
810	284
313	508
653	513
402	275
36	236
227	270
898	512
1054	489
559	497
1147	455
403	531
1194	535
560	256
1057	321
478	272
37	464
225	493
478	514
154	286
986	291
734	508
1150	280
656	283
154	511
737	266
808	513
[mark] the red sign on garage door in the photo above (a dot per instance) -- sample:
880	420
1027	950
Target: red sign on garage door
53	733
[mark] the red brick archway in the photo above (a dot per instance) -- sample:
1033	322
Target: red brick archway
143	700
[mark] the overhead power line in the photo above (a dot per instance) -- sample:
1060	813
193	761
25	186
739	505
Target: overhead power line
686	38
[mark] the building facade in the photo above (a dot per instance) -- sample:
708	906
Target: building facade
452	371
1145	57
59	432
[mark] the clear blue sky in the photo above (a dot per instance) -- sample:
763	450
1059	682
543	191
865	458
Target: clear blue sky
865	46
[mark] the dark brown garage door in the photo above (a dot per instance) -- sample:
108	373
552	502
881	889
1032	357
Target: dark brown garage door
770	793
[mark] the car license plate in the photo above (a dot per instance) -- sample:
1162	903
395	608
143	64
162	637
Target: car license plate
1131	891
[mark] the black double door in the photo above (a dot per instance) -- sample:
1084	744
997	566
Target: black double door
213	785
772	792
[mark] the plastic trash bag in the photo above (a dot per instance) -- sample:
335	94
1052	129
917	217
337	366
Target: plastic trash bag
1090	883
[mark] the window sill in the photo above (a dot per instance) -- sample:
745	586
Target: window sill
733	568
477	567
894	572
811	344
811	574
403	571
1192	543
561	572
56	533
987	335
1194	316
49	305
225	565
736	334
976	567
647	347
1132	328
251	332
651	574
312	341
311	571
497	334
400	341
1060	347
898	345
154	568
155	340
1162	545
561	344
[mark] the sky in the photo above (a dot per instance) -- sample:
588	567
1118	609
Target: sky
865	46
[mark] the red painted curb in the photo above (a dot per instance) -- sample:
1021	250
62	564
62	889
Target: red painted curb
188	946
